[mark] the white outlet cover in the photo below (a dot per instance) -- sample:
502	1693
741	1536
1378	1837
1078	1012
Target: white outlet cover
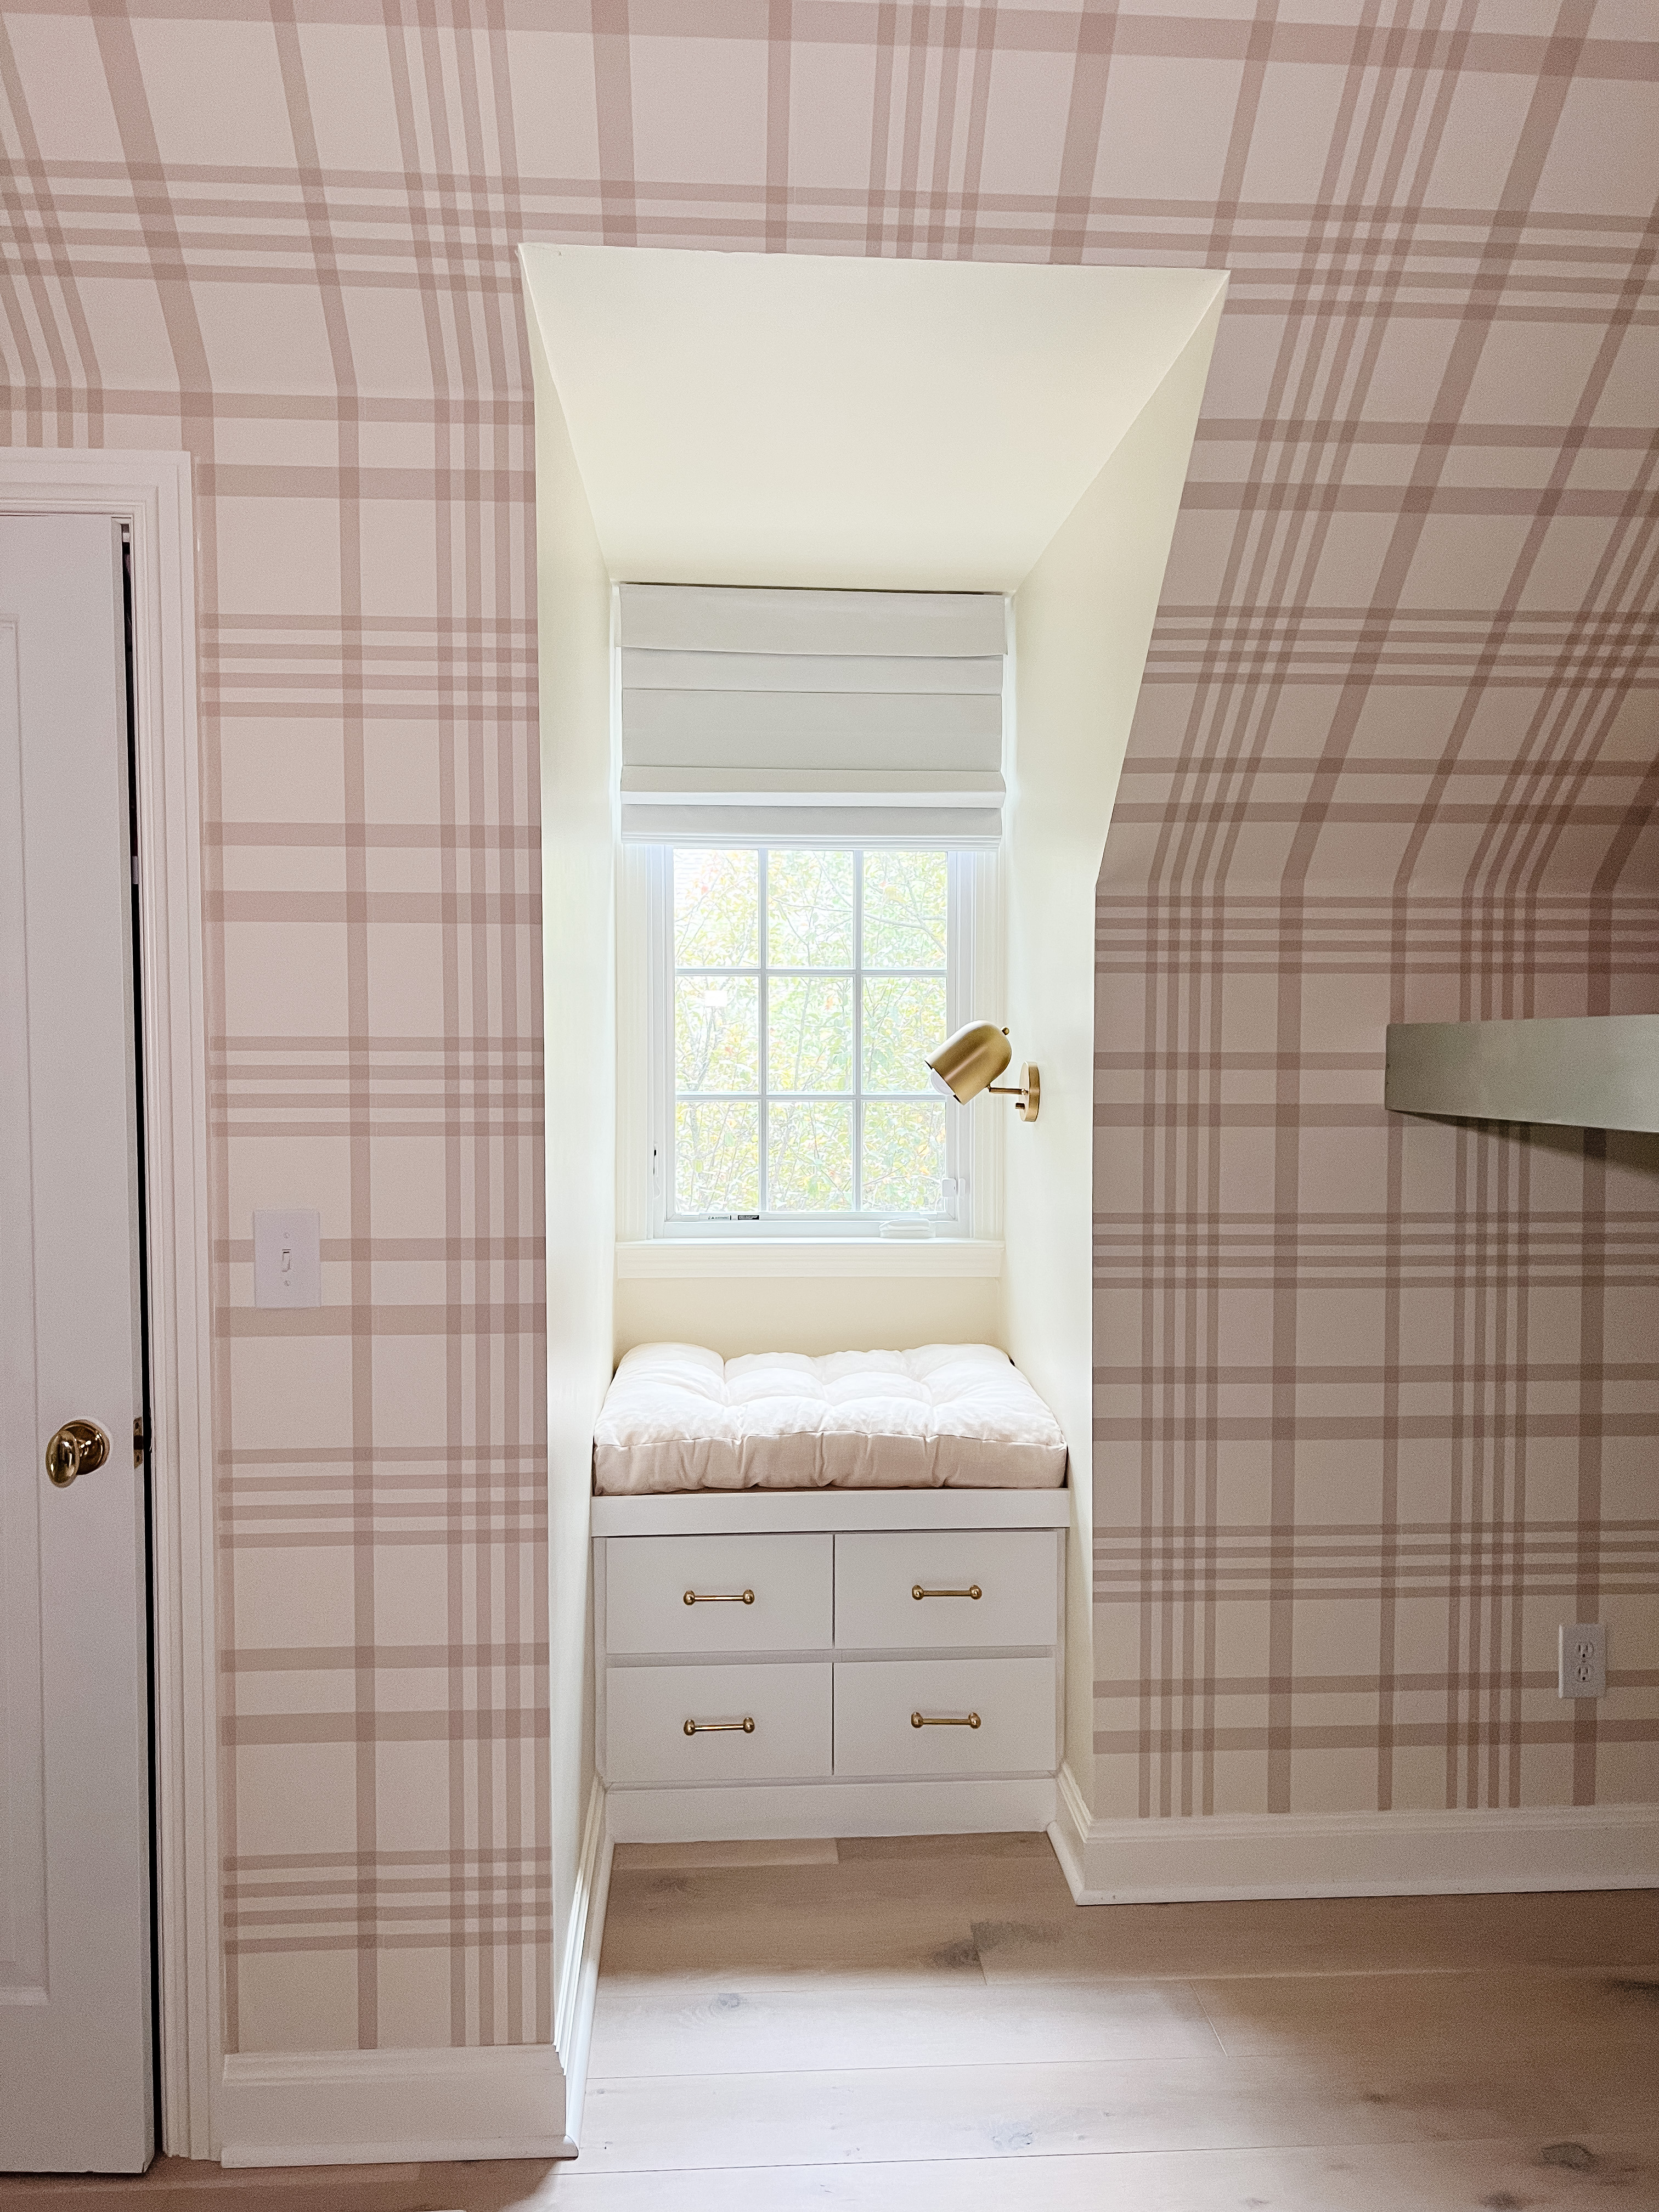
1583	1659
288	1265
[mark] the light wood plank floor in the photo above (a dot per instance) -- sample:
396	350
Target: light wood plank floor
929	2025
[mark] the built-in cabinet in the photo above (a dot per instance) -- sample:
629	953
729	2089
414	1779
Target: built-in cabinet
828	1663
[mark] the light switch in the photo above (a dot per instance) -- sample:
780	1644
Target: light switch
287	1266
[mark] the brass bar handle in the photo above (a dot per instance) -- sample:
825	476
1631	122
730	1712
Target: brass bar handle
76	1448
944	1720
746	1726
972	1590
719	1597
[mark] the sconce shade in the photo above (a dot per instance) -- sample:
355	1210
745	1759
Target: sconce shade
969	1061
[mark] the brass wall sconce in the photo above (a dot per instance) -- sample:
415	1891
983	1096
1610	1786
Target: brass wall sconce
968	1061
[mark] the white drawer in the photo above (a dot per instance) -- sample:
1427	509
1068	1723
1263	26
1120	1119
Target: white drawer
647	1579
1014	1699
646	1709
1014	1571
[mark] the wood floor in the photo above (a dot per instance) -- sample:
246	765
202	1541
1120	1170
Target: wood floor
930	2025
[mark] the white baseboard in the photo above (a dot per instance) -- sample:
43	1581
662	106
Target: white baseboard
1068	1830
401	2106
579	1982
369	2107
375	2107
744	1813
1408	1854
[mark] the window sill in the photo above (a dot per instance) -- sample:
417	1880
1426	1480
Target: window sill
713	1258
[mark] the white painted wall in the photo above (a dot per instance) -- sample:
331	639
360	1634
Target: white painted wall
1083	621
732	1314
579	845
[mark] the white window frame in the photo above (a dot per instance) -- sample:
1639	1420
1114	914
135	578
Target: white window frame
970	1211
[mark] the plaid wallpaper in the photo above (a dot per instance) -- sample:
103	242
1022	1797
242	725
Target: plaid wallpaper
1374	1400
1375	1403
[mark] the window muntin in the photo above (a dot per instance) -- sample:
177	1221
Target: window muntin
802	988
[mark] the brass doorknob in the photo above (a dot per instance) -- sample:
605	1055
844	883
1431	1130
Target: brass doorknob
77	1448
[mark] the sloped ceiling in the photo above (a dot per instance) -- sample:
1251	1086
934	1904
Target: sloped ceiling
1418	545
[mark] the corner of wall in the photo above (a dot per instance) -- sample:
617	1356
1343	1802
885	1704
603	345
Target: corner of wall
579	1982
1084	618
579	972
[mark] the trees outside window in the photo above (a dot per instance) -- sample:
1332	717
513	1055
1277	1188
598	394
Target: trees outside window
804	989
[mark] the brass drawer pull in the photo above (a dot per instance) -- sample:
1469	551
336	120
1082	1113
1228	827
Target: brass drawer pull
933	1720
972	1590
727	1727
719	1597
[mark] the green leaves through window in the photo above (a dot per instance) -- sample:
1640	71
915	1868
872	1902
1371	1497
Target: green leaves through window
807	987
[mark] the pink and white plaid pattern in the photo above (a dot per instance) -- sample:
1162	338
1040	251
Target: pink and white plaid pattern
1375	1403
1376	1400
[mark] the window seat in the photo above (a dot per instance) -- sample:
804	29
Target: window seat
828	1662
678	1417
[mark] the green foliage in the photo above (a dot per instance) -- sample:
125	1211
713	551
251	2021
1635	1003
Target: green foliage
809	1158
716	1157
813	901
809	909
809	1033
716	1033
906	909
903	1020
716	908
903	1155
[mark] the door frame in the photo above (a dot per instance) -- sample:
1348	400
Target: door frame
151	492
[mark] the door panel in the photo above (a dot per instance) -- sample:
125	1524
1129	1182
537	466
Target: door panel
75	1957
22	1807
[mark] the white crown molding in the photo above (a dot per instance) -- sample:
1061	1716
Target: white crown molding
1404	1854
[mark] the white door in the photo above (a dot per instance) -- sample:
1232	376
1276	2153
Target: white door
74	1958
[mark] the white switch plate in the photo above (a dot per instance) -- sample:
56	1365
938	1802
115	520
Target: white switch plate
1583	1660
288	1265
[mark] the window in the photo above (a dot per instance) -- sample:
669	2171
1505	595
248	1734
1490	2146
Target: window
796	994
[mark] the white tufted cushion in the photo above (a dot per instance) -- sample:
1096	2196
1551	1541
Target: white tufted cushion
948	1415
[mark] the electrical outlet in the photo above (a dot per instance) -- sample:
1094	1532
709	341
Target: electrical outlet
1583	1660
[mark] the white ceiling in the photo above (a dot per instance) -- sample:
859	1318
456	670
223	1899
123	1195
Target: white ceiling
744	418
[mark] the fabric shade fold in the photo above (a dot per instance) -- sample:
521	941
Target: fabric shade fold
798	717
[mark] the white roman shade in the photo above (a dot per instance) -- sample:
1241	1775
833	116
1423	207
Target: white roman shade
805	718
